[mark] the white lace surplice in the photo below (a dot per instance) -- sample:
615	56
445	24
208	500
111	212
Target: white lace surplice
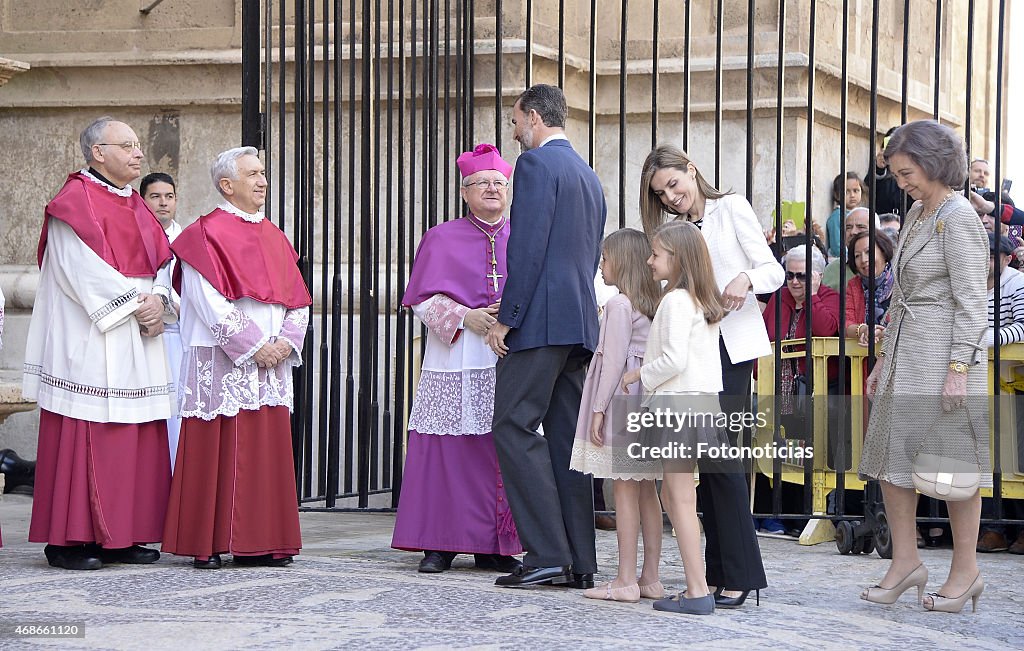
220	336
455	395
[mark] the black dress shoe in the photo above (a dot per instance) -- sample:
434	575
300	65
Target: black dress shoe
270	561
265	560
496	562
135	555
526	575
721	601
436	562
16	471
579	581
76	557
246	560
212	563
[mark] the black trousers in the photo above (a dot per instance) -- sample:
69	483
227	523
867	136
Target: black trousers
552	505
732	555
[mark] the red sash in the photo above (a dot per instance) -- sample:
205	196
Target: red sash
111	225
240	258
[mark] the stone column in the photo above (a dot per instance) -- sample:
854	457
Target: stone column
11	400
9	68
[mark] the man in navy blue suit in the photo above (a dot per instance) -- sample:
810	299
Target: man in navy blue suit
546	333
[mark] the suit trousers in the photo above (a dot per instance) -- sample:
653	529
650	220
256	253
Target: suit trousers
732	555
553	506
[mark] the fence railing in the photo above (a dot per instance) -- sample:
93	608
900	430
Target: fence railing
362	107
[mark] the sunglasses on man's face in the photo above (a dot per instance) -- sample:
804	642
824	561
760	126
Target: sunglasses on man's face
796	275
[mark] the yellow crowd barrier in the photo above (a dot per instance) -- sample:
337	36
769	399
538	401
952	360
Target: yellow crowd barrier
823	477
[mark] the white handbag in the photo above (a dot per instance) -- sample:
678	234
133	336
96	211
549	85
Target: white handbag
946	479
952	480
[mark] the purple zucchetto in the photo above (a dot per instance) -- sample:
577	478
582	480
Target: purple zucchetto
484	157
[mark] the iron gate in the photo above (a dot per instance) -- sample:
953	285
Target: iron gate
363	105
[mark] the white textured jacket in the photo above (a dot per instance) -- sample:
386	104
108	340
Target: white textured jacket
682	349
737	244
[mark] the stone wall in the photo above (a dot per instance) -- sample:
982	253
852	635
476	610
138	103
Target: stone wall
174	75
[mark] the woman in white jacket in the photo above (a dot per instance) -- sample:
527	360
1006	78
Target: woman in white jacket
671	187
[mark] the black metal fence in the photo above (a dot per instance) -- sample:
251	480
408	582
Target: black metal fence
363	105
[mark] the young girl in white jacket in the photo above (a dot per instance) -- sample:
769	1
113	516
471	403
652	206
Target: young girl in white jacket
682	374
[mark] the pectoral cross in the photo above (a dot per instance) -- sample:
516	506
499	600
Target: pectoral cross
494	275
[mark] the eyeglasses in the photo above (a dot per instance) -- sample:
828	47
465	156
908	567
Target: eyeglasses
129	146
483	185
796	275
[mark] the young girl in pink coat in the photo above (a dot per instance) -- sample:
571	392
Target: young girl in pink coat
597	449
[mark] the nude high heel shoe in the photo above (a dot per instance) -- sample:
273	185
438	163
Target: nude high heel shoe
941	604
918	577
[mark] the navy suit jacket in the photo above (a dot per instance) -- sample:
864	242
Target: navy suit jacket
554	248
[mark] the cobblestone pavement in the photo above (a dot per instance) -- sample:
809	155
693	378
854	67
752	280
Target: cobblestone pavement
348	589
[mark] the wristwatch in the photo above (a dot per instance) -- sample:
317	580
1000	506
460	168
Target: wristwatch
958	367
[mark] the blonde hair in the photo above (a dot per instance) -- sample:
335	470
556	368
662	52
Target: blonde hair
627	250
692	265
652	210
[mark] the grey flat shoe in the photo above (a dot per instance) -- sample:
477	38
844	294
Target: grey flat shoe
680	604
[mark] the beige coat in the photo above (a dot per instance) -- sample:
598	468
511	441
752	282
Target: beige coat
938	314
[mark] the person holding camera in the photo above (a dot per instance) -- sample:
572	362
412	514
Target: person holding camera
889	197
979	174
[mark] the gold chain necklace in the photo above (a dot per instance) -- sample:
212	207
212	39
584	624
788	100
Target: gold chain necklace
494	275
922	219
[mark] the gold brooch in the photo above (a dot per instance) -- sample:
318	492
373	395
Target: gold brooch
940	226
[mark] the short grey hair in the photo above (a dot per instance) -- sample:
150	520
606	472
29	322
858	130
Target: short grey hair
548	101
935	147
92	135
800	253
878	223
225	166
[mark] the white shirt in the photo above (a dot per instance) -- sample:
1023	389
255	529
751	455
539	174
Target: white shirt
557	136
173	231
1011	309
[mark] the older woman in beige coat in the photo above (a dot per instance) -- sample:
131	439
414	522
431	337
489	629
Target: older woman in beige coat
929	385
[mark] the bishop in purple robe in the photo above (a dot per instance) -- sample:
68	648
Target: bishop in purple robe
453	499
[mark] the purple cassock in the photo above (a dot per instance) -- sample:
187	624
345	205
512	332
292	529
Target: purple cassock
453	498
